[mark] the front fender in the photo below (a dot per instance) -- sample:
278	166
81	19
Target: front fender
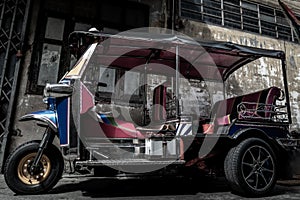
47	116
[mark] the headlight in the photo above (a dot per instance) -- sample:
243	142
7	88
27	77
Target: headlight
46	93
57	90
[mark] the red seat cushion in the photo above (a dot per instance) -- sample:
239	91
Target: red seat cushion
258	104
159	103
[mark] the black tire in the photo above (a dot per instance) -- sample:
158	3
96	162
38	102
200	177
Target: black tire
251	168
50	171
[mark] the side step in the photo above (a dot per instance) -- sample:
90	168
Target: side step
129	162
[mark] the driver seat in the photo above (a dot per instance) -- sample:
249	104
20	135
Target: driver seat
159	114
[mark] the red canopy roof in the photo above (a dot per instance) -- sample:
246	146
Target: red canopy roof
197	59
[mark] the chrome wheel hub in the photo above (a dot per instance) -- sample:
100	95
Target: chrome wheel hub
27	175
258	168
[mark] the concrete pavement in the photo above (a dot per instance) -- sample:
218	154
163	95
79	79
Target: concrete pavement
74	187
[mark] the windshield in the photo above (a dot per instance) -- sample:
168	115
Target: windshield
79	68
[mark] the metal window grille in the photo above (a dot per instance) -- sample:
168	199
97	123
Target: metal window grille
13	18
240	14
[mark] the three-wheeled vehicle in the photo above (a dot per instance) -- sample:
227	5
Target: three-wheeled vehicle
143	103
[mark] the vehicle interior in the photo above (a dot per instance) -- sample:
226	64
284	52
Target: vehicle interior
141	85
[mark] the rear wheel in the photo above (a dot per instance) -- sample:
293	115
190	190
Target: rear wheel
250	167
22	180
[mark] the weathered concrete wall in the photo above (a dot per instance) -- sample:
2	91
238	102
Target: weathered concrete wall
27	103
157	12
264	72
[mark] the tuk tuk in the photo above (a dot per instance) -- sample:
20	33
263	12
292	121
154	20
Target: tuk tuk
143	103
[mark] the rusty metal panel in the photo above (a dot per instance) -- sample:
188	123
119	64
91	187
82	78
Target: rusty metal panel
13	20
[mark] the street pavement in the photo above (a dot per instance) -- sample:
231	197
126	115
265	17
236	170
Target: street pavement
83	187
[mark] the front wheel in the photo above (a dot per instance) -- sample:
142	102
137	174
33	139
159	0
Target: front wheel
17	169
250	167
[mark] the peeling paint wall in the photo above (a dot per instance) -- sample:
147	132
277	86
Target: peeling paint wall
157	10
27	103
264	72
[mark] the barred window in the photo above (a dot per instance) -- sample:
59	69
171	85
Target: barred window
192	9
268	21
240	14
212	11
232	14
250	17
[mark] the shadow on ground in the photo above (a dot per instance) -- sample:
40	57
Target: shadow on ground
99	187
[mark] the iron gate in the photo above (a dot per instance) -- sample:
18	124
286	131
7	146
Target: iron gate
13	20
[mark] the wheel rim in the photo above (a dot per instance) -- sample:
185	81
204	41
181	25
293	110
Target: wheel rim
44	168
258	168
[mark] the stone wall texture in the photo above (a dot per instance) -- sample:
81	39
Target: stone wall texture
262	73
